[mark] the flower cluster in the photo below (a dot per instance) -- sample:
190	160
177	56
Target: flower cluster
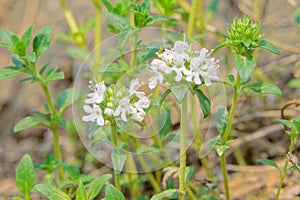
105	103
192	66
244	35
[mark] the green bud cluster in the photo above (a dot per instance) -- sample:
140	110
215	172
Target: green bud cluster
244	36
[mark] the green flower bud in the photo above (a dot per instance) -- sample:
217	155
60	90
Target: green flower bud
244	36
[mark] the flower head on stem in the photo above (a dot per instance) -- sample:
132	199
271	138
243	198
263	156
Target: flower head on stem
115	101
186	65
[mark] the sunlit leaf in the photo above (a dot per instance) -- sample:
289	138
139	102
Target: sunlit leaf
265	88
25	175
112	193
269	46
268	162
245	66
204	102
27	122
170	193
51	192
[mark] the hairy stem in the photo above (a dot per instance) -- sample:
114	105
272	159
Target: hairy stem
226	135
283	172
72	23
192	17
198	138
183	134
54	130
115	143
98	35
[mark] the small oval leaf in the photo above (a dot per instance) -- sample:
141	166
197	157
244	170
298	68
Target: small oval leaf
97	185
27	122
269	46
171	193
51	192
113	193
265	88
204	102
6	73
25	175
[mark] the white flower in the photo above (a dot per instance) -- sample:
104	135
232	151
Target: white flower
157	76
202	66
122	109
97	96
95	114
108	111
134	85
142	104
139	116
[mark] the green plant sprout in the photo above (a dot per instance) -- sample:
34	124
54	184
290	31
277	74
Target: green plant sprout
243	36
293	132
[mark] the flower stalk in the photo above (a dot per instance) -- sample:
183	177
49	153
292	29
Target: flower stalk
183	134
54	130
283	172
226	136
115	143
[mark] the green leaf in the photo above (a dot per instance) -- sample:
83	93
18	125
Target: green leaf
221	149
211	9
78	53
170	193
188	174
204	102
27	36
97	185
51	192
269	46
297	16
179	92
41	41
268	162
294	167
167	126
72	171
80	192
265	88
294	83
25	175
221	120
17	198
66	98
112	193
27	122
245	66
6	39
117	23
285	122
155	19
7	72
118	157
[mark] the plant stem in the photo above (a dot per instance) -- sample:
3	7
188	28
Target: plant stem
198	138
225	177
226	135
54	130
283	172
150	176
97	38
183	133
256	10
232	111
192	17
72	23
115	143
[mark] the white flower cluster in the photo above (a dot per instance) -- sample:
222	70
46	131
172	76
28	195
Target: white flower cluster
193	66
104	103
